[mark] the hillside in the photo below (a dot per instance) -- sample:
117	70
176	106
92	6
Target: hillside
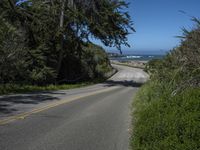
166	110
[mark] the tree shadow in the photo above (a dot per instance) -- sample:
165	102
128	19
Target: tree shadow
10	103
124	83
4	109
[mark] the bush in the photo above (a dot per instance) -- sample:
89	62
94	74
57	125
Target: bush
96	61
167	109
181	65
164	122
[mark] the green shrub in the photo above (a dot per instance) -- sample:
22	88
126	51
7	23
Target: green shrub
164	122
96	61
181	66
166	112
15	88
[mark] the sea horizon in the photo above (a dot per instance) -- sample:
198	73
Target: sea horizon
136	55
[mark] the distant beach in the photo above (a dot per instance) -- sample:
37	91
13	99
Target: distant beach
137	61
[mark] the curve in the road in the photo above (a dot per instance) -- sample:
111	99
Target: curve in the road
96	118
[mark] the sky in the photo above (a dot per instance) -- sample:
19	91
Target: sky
158	22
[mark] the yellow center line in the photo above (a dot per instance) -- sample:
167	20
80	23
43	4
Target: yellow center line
54	104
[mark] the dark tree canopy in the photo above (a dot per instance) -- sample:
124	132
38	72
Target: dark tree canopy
53	33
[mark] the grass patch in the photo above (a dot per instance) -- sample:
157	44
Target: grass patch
165	122
14	88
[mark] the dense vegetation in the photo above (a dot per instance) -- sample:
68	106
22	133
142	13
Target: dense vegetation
167	109
48	42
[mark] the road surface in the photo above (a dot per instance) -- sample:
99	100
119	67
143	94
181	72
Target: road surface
91	118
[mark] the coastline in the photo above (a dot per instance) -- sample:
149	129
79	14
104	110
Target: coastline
131	63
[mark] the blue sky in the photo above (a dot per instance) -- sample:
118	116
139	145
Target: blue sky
157	22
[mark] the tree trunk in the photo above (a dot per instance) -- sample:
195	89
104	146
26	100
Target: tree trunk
70	4
12	5
63	3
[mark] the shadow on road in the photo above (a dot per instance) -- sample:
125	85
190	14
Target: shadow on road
4	109
124	83
8	103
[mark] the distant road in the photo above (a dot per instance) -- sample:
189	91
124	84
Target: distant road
90	118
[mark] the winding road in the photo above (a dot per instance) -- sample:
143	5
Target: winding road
96	117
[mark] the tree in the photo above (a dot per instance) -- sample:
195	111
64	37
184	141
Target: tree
55	31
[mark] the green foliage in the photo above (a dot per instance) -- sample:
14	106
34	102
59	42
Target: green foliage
16	88
167	109
45	42
17	63
12	53
96	61
163	122
181	66
108	22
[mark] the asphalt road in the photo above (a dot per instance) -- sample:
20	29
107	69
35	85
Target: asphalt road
91	118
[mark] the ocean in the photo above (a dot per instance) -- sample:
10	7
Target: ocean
141	57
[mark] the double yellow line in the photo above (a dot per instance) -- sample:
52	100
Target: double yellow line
54	104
